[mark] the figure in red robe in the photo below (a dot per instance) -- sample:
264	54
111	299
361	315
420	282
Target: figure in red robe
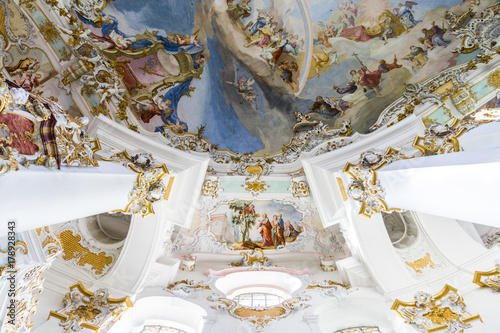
266	231
370	79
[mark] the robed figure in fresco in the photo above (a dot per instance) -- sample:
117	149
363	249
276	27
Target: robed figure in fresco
266	231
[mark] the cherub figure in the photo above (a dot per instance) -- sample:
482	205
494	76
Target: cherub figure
245	89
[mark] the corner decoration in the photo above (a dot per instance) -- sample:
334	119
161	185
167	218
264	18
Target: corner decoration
489	279
84	309
443	311
259	317
149	187
365	186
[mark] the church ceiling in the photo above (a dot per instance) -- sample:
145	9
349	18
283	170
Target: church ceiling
249	82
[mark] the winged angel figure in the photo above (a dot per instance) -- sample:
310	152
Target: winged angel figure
245	89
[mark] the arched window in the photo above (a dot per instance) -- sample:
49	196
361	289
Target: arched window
261	300
160	329
361	329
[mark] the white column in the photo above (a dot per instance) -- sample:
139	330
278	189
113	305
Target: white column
38	196
463	185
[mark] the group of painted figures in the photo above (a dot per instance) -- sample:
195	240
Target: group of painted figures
392	24
275	232
165	106
273	41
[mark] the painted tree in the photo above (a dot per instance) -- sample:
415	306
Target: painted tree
245	216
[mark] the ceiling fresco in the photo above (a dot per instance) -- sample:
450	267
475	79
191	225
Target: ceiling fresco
238	71
231	224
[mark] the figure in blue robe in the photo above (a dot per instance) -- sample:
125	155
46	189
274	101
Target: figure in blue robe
405	14
110	23
173	122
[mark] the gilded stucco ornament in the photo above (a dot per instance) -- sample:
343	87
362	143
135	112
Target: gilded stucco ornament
29	281
299	189
75	147
492	240
477	30
148	188
6	98
448	88
443	311
365	187
29	286
259	317
84	309
443	138
8	160
489	279
255	187
211	187
188	263
255	259
187	288
439	139
315	137
329	288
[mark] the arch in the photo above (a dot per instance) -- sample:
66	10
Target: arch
165	311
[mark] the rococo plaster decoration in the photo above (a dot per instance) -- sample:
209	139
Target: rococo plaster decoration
443	311
81	249
149	186
259	317
489	279
29	281
439	139
84	309
69	146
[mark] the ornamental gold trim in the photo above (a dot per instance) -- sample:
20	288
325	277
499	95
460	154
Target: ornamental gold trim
445	310
489	279
421	263
365	187
84	309
256	259
6	99
73	250
259	317
148	188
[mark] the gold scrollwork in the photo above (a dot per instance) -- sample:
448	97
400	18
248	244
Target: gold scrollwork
421	263
445	310
494	79
489	279
365	187
6	99
72	249
300	189
256	257
256	186
148	188
211	188
84	309
259	317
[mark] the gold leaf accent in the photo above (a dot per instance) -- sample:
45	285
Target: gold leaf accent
421	263
72	249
